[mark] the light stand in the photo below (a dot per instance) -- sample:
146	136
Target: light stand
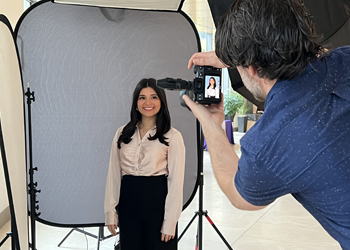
99	237
32	185
14	232
200	212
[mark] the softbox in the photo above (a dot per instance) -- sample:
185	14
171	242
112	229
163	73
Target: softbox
83	63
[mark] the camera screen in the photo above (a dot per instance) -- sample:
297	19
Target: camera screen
212	87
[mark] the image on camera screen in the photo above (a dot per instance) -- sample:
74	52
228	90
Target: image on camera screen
212	87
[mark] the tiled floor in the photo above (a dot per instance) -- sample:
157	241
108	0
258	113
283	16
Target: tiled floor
282	225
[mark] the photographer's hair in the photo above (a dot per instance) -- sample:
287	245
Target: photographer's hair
277	37
163	121
210	84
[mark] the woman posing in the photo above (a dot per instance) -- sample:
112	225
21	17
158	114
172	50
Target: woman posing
144	186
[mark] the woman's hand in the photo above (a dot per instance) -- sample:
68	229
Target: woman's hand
166	237
112	229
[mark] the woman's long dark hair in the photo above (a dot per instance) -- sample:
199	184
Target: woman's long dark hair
163	121
277	37
210	84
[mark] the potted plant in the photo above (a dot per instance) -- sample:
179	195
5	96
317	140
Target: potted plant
242	118
232	102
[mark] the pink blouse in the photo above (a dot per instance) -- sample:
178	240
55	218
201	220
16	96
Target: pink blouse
142	157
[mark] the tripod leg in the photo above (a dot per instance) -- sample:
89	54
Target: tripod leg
99	237
6	237
71	231
200	232
102	234
86	233
80	231
217	230
187	227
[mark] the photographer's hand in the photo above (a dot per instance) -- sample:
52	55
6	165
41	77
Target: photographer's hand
212	113
206	58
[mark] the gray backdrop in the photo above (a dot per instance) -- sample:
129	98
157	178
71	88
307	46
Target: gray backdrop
82	64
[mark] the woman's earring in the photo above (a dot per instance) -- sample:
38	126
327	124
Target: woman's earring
137	109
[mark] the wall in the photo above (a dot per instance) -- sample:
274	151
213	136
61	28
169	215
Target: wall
12	9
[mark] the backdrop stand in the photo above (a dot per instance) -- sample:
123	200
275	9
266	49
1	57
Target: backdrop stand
14	232
100	237
32	185
32	190
200	212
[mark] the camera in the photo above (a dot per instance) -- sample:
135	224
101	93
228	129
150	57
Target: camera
204	89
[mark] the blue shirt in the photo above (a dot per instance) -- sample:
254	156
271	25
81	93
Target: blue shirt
301	145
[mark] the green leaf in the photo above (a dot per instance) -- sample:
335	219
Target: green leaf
232	103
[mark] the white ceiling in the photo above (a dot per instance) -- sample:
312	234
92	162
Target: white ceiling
131	4
198	10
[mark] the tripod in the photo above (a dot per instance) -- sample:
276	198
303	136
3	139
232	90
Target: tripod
200	212
99	237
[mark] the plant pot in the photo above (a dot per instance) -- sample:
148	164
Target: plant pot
229	117
242	123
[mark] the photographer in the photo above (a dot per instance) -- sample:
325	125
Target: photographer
300	145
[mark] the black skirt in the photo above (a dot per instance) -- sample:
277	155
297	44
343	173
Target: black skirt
141	213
